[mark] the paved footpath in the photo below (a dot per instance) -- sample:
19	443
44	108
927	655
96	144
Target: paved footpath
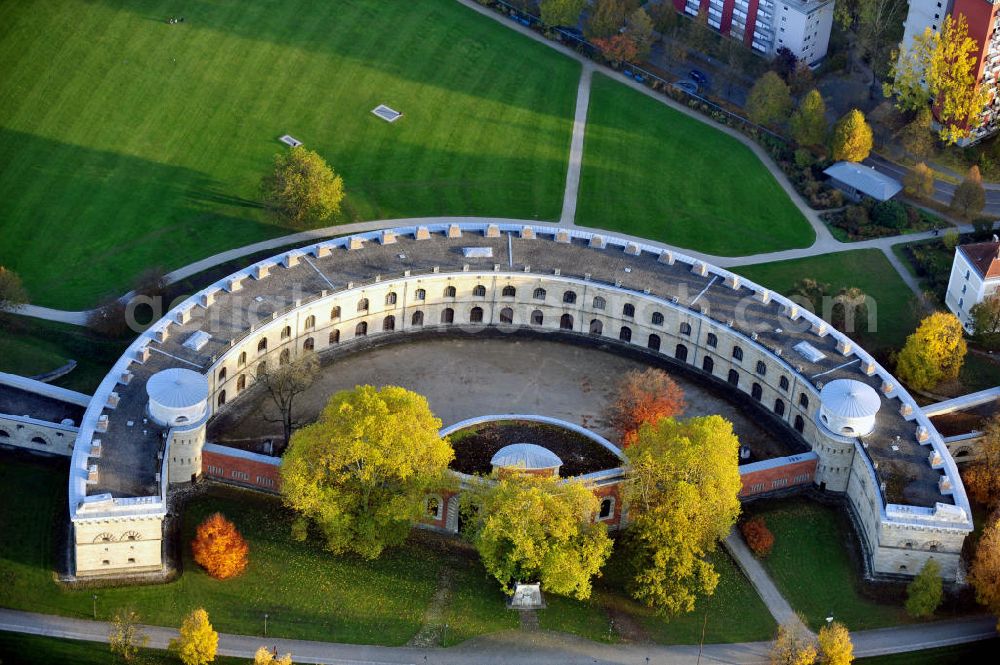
541	648
761	581
570	196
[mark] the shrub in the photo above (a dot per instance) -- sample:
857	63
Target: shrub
759	538
219	548
891	214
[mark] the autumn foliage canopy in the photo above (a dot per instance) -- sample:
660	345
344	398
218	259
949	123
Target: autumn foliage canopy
219	548
759	538
644	397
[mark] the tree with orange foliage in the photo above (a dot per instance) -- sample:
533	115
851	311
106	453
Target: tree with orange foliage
759	538
219	548
644	397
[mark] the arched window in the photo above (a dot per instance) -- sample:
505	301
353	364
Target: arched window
476	315
334	337
599	302
539	294
310	322
783	383
261	369
449	292
657	319
285	357
479	291
625	334
681	353
390	298
421	294
712	340
506	315
363	305
4	435
286	332
761	368
222	397
447	315
242	359
654	342
628	310
803	400
756	391
569	297
508	291
566	322
708	364
222	375
39	441
335	313
800	424
537	318
607	508
685	328
417	319
433	507
737	353
733	378
389	323
262	345
361	329
309	344
241	383
779	407
596	327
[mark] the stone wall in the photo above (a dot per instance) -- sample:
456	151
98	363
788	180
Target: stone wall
38	435
241	467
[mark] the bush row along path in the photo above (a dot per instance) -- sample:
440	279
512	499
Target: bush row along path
825	243
537	648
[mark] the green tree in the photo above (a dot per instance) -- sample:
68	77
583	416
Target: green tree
808	122
969	197
769	100
361	472
950	239
12	294
943	67
607	17
920	181
852	137
639	28
125	637
985	317
698	35
682	486
197	642
918	135
665	18
302	189
835	646
932	354
561	12
534	528
924	593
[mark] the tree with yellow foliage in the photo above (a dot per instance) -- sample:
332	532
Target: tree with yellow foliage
792	646
920	181
852	137
942	66
984	575
219	548
835	646
302	189
934	353
538	529
265	657
197	642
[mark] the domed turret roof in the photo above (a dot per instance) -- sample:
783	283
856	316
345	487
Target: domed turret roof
177	388
847	398
525	456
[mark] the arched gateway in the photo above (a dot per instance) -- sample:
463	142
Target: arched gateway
901	484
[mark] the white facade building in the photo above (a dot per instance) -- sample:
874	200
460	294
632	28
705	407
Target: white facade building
803	26
975	275
921	15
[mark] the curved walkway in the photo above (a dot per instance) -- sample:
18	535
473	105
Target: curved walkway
540	648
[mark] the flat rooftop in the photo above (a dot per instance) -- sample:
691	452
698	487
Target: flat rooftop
17	402
129	464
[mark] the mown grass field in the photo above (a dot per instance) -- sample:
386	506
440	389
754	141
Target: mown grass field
867	269
127	142
651	171
310	594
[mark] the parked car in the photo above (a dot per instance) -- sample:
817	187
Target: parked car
699	78
689	87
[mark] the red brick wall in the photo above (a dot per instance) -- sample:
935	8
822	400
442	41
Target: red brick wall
240	470
777	478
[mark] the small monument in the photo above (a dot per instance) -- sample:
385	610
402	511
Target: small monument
526	597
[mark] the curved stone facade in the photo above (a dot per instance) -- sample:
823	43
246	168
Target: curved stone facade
900	480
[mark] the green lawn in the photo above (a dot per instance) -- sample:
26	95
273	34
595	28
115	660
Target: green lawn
811	565
34	346
651	171
127	142
867	269
17	648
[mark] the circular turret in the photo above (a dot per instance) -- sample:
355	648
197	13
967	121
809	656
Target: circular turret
527	458
849	407
177	396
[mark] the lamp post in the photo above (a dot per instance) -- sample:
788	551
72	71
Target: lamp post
94	596
265	624
829	619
